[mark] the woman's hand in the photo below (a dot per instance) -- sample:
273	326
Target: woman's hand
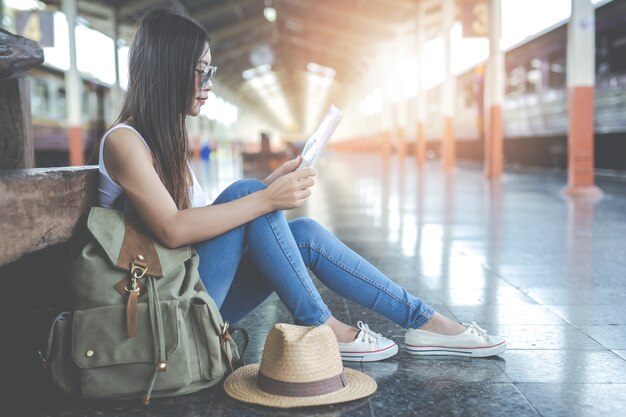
290	190
285	168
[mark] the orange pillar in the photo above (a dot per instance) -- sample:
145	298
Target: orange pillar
580	172
447	141
494	151
420	145
448	146
420	138
387	146
580	82
401	142
76	145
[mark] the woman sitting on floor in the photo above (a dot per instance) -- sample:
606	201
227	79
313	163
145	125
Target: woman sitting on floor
247	248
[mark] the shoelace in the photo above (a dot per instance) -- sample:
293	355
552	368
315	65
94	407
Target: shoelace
367	333
477	330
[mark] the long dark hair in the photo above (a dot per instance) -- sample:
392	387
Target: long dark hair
162	60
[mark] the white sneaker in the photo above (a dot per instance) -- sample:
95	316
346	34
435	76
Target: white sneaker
368	346
474	342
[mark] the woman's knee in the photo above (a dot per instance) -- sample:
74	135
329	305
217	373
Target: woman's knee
240	188
304	228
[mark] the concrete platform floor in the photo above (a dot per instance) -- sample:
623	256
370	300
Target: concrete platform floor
547	272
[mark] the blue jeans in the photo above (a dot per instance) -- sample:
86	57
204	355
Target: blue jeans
243	266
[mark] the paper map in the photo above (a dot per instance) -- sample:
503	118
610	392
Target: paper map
318	140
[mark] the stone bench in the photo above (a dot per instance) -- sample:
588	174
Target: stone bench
41	207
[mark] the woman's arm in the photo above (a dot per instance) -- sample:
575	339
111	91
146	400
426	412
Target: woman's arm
129	163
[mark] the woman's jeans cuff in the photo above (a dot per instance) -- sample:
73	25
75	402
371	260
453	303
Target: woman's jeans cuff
426	312
323	319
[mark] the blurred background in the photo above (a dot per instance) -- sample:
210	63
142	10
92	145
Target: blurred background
281	63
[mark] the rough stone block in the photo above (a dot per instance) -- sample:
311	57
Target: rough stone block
16	132
17	54
42	207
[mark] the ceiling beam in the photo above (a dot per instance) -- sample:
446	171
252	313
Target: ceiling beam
89	10
216	10
407	5
380	26
241	27
292	92
235	61
324	50
131	7
340	48
332	31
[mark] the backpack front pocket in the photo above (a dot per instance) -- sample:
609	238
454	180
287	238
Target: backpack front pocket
112	364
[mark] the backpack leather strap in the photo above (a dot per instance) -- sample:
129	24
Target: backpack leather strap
137	246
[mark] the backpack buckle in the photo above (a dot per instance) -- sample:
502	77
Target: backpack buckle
138	269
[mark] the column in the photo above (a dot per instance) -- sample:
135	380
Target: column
387	112
580	83
420	144
495	91
115	30
399	104
73	90
448	93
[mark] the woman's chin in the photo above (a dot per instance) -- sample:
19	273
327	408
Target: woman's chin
194	112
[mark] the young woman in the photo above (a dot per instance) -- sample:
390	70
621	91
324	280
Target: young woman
247	248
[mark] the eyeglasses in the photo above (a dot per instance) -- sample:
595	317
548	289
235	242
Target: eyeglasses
207	75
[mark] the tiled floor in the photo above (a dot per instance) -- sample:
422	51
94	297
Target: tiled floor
547	272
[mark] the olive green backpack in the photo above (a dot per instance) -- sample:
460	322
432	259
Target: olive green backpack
143	325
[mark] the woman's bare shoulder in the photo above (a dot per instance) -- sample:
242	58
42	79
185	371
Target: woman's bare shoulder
126	139
123	145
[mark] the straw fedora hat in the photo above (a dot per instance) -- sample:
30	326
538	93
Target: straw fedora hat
300	366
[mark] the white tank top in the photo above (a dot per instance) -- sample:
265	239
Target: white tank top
109	190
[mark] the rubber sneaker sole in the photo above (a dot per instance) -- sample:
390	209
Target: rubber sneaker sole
370	356
475	352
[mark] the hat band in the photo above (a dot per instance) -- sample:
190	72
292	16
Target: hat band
301	389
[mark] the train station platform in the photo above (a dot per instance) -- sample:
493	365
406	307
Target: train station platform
522	261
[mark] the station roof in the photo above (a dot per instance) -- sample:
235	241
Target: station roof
340	34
